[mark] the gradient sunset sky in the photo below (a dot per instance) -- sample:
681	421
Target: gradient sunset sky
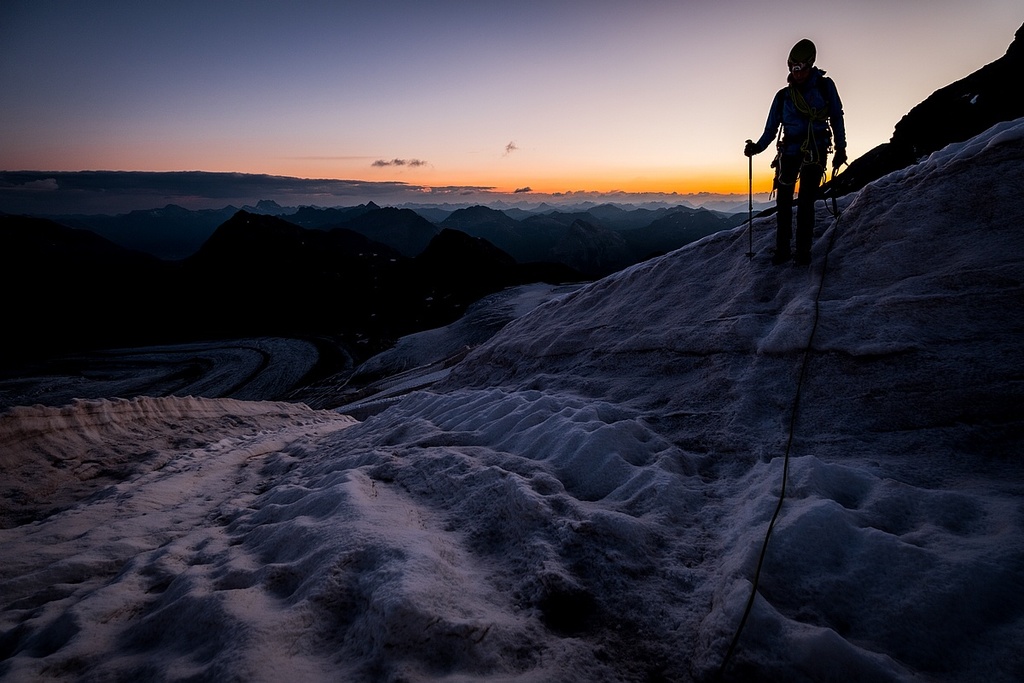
641	96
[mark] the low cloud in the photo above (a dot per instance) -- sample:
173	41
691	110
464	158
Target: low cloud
40	185
522	190
108	192
381	163
457	190
47	185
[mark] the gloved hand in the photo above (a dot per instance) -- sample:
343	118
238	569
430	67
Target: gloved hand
839	159
750	149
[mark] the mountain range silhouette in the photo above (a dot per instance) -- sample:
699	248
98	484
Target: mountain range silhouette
367	275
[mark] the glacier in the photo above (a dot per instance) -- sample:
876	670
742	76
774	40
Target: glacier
584	496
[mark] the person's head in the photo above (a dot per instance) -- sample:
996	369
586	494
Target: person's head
801	59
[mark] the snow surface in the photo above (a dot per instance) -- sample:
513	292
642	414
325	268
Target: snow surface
423	359
584	497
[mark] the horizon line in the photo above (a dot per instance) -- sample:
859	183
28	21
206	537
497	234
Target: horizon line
105	191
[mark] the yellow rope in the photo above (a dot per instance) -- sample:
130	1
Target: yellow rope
811	156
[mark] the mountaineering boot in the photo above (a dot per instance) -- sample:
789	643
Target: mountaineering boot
780	257
803	258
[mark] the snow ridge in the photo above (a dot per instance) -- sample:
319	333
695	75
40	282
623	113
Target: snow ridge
53	457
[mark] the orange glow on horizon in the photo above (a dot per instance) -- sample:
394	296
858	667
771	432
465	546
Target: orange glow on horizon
634	181
714	181
720	184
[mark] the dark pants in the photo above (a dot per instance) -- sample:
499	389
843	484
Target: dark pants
810	180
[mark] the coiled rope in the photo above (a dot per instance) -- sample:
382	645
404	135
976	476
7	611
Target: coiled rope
792	432
809	147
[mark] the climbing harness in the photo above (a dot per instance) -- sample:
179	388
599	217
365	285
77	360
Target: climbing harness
792	432
811	153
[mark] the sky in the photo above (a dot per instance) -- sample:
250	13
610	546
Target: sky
584	497
550	96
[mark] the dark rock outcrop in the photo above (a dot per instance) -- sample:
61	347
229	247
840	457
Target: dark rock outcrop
951	114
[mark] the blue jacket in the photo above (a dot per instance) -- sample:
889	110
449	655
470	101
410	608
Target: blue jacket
820	94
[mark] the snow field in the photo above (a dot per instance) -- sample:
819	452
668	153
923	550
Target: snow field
585	496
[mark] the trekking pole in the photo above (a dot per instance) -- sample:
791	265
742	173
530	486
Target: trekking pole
750	205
